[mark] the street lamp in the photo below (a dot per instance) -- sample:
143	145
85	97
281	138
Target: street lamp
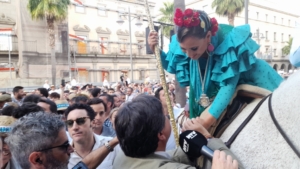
258	36
120	21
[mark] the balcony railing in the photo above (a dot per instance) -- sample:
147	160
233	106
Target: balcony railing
96	48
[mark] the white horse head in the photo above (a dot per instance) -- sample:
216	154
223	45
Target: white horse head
260	144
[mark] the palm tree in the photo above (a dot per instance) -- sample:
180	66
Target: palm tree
167	12
229	8
53	11
286	50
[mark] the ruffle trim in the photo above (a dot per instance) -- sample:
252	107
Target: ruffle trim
234	55
178	63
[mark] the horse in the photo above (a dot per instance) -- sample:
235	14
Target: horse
260	144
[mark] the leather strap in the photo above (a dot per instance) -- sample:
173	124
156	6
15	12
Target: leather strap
241	127
280	129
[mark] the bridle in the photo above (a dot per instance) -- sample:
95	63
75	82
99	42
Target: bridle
245	122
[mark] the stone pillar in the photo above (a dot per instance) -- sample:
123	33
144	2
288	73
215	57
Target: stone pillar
95	72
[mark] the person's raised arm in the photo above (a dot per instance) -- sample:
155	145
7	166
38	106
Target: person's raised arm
95	158
153	41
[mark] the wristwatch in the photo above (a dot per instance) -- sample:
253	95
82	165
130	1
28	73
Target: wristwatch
109	148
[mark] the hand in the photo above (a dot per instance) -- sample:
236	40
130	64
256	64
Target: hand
221	161
196	125
152	40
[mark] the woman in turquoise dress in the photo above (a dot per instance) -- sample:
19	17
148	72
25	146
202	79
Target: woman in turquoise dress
213	59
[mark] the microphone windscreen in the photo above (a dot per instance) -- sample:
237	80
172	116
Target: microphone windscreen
191	143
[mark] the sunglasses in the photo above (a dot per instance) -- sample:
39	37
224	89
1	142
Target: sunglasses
79	121
64	147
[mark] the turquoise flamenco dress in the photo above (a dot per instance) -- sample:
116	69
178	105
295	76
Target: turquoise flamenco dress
231	63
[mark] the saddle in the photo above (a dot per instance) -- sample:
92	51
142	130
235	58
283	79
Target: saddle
244	94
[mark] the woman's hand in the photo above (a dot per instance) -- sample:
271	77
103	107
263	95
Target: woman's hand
196	125
221	161
152	40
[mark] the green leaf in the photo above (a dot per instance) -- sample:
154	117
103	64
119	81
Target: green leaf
229	8
167	17
286	49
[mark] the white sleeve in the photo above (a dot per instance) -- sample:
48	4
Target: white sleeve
295	48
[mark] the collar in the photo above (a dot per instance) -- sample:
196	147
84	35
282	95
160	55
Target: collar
163	153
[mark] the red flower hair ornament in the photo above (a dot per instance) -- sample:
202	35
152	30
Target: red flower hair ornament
190	18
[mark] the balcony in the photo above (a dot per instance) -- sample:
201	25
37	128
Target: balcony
115	49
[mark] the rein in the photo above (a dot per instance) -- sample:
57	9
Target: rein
240	128
245	122
280	129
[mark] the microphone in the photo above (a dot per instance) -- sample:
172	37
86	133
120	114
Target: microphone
194	144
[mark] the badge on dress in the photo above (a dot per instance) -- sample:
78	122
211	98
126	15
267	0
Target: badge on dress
204	101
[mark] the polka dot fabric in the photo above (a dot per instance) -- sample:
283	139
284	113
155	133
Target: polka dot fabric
232	63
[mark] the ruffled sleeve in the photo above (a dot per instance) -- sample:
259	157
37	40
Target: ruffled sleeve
234	55
176	62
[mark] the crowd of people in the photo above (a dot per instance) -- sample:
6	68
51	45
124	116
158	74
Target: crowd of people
60	128
127	125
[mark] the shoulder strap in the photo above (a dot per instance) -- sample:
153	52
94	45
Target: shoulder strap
237	132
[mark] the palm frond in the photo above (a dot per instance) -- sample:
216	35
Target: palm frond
50	9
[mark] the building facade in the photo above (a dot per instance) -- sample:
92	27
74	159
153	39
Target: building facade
90	44
272	24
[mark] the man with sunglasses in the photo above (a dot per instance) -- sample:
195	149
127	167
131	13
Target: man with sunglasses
79	122
39	140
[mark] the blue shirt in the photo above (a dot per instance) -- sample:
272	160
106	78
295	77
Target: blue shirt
108	129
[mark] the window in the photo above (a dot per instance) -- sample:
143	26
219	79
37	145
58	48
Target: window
257	15
79	9
289	37
274	19
282	21
103	45
275	52
101	10
123	46
5	41
289	23
282	38
266	35
82	45
274	36
266	17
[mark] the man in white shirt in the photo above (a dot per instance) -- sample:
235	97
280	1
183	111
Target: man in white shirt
73	82
46	85
68	86
84	141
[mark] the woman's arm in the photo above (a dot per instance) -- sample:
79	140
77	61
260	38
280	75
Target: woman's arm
221	101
